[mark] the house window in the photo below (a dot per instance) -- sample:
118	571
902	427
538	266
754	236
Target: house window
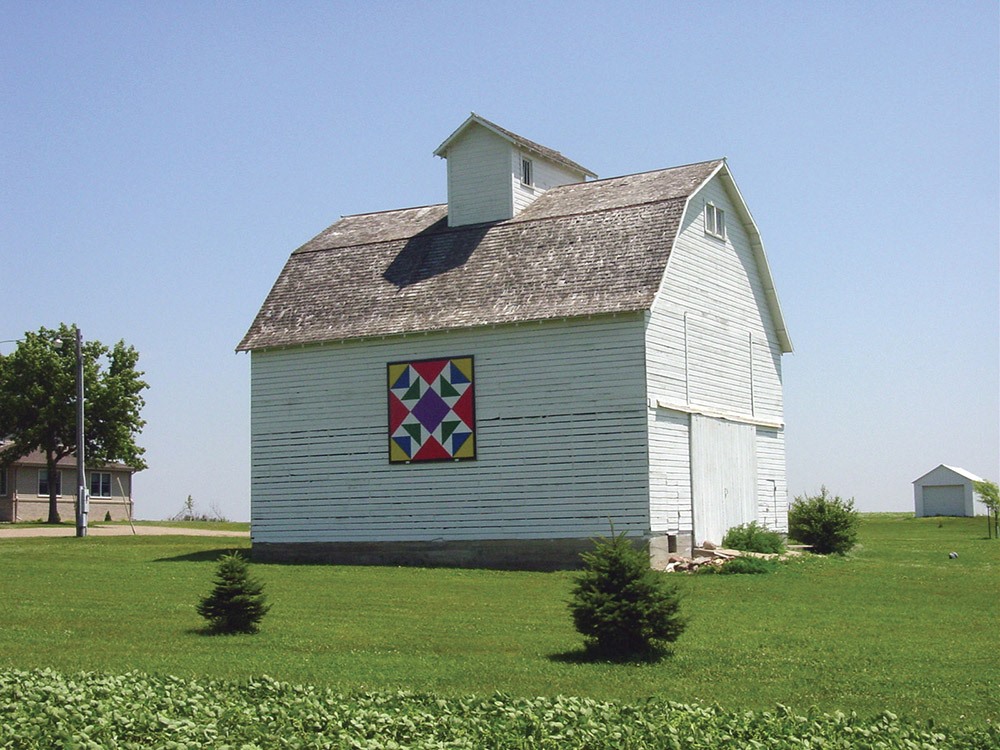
43	482
3	482
100	484
715	221
526	176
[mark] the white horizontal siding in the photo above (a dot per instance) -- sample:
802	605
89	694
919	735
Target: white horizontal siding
712	347
669	471
561	439
708	310
479	178
772	490
545	175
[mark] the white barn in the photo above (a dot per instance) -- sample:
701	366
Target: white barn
945	491
493	381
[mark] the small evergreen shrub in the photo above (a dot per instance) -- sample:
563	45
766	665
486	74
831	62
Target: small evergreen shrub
753	537
827	523
748	566
622	607
237	603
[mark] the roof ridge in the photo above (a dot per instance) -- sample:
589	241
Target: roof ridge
500	222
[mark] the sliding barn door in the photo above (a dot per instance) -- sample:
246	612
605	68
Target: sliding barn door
723	476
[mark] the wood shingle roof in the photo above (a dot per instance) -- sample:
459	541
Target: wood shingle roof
582	249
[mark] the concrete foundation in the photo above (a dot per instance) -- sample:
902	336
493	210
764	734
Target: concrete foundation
496	554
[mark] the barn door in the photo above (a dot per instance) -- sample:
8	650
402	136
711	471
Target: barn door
723	476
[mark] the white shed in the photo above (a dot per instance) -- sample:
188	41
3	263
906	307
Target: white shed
945	491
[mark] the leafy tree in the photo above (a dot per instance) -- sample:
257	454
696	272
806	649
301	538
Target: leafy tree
989	495
620	605
237	603
827	523
38	402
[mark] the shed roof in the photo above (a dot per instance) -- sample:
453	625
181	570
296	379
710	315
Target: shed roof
961	472
517	140
582	249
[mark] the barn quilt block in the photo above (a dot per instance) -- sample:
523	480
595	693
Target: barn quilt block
432	410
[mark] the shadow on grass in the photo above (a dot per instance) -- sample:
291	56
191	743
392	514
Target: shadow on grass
585	655
205	555
210	632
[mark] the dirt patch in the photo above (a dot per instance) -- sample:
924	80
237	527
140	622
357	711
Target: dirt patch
10	532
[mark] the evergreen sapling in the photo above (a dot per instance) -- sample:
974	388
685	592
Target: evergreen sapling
237	603
622	607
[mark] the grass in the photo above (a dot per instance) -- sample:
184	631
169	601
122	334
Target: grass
896	625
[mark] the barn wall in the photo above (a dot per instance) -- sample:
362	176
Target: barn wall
561	429
772	487
711	336
669	471
712	349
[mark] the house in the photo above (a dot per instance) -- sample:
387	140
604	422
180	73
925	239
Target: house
945	491
24	489
497	380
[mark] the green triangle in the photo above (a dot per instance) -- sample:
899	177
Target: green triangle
415	430
447	428
414	392
446	389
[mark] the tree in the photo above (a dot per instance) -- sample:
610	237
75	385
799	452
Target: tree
38	402
827	523
989	495
237	603
620	605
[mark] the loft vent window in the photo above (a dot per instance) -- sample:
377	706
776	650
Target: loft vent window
526	177
715	221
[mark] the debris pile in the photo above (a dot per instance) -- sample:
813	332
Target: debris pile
709	554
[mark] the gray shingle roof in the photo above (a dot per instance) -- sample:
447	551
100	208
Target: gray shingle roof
582	249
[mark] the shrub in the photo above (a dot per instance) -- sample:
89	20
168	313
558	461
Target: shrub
753	537
828	524
621	606
748	565
237	603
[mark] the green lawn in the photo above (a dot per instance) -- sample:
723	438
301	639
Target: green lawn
895	626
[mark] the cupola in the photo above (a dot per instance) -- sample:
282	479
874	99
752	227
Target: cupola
494	174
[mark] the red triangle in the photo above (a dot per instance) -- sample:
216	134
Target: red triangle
464	408
430	450
397	412
429	370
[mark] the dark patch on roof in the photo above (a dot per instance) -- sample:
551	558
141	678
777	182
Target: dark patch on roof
583	249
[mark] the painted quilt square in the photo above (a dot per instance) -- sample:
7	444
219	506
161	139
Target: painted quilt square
432	410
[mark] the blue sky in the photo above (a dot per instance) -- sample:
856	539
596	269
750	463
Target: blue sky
160	161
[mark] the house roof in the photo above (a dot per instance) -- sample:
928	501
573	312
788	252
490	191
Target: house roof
517	140
587	248
37	458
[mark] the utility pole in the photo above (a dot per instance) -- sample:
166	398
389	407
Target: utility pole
81	472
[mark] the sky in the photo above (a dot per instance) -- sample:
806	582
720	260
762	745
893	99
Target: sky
159	162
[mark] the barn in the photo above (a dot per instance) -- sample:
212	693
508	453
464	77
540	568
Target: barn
496	380
945	491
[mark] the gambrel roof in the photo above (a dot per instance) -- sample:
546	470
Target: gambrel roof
587	248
